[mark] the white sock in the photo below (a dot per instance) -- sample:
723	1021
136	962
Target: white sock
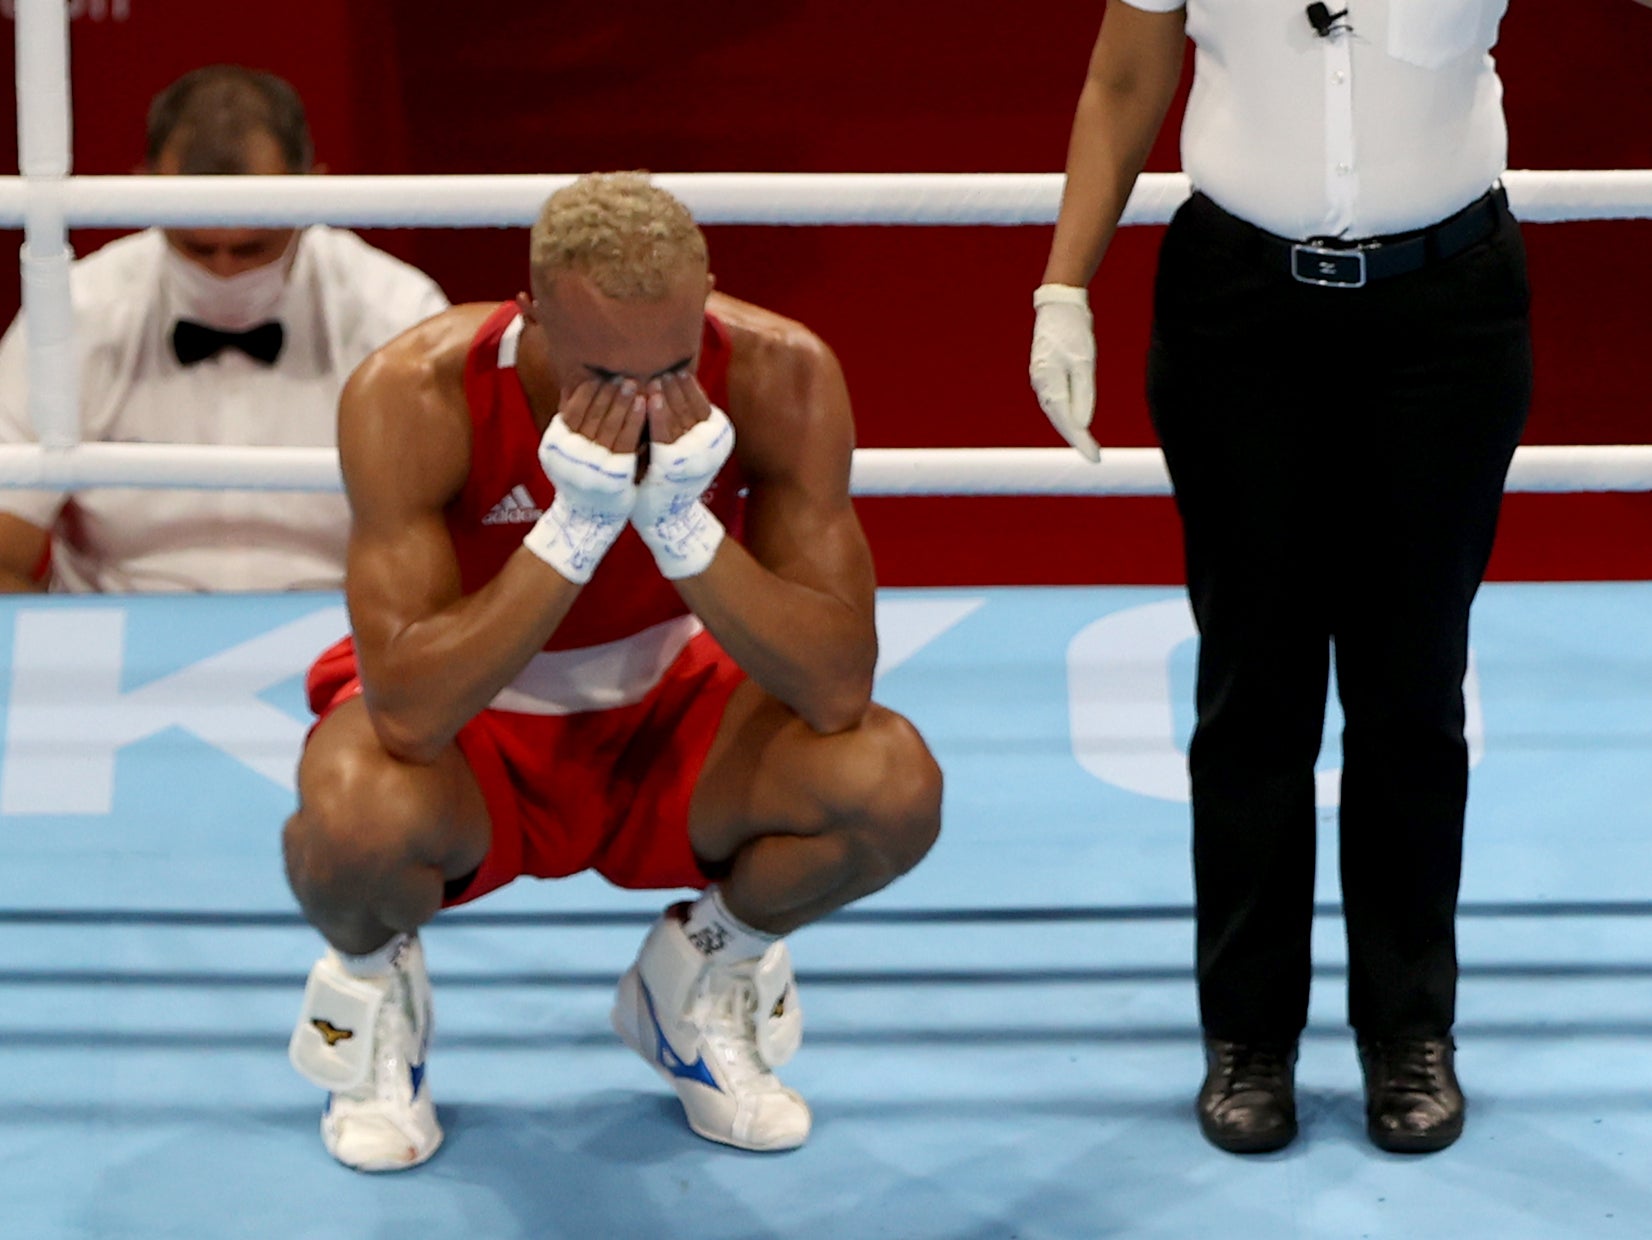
375	963
720	935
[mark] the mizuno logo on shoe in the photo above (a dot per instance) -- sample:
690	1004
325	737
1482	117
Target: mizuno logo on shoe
516	508
330	1032
668	1057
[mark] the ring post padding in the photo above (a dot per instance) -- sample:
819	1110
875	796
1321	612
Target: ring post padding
43	137
43	116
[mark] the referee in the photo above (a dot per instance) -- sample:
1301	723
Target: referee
1339	372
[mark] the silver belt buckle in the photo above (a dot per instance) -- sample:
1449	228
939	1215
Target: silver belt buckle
1317	264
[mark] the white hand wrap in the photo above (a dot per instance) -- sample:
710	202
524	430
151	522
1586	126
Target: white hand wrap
1063	365
680	530
595	491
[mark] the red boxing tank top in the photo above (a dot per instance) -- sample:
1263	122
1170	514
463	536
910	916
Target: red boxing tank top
507	490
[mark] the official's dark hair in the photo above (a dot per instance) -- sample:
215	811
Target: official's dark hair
213	111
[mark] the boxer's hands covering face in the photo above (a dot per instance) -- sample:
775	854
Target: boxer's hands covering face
608	412
690	441
676	404
589	454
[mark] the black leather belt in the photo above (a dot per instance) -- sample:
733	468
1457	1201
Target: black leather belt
1336	263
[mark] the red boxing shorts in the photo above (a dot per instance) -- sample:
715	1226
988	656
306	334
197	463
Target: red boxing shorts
600	790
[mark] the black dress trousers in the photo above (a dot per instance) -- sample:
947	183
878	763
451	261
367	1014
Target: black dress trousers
1338	456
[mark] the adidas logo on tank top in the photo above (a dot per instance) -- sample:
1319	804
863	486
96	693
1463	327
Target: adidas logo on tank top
517	508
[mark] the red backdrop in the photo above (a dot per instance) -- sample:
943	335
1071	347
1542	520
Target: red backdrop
931	323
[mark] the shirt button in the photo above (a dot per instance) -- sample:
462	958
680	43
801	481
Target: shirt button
1339	77
1343	170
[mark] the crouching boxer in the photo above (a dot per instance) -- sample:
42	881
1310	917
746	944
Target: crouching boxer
611	610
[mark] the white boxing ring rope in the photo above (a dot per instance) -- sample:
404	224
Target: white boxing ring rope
876	471
933	198
46	201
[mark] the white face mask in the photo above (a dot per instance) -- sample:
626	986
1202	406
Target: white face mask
230	303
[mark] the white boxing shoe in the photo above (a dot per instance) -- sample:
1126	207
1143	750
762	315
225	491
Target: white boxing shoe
716	1032
365	1040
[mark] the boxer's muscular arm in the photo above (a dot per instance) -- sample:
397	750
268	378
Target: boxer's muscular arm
430	657
794	607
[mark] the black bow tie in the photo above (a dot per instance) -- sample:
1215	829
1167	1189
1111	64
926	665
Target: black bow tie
195	342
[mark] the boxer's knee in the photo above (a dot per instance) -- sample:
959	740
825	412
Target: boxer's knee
359	817
897	787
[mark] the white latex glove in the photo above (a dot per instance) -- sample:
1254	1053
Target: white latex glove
1063	366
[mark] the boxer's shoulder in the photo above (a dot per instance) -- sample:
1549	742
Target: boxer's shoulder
774	361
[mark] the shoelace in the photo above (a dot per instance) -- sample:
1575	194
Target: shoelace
1411	1066
388	1082
1251	1067
730	998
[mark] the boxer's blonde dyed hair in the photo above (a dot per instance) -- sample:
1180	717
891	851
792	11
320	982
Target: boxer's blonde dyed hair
625	234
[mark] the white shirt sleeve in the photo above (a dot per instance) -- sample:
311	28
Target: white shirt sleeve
1157	6
368	296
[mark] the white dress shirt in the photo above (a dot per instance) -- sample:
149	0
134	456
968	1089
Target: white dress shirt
342	300
1388	125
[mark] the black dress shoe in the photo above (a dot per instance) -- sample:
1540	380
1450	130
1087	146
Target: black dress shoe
1247	1104
1413	1104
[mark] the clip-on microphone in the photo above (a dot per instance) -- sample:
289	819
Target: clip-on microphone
1325	22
